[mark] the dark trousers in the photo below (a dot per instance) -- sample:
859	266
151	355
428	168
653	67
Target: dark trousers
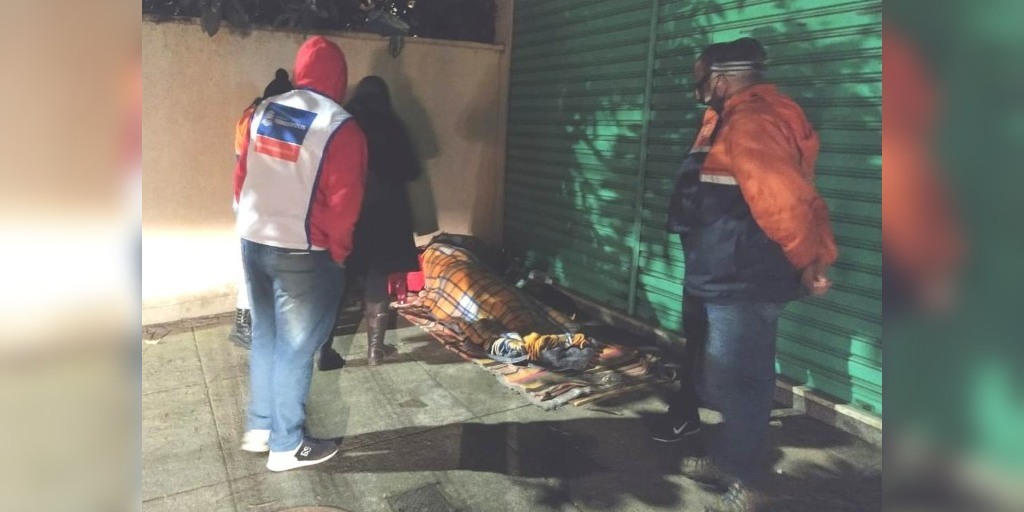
683	404
730	365
371	284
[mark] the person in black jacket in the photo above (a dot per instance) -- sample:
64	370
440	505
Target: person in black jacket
383	243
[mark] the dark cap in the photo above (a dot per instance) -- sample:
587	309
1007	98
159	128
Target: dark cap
279	85
743	54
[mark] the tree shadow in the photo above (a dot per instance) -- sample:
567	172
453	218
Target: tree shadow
604	463
834	343
585	468
814	467
833	484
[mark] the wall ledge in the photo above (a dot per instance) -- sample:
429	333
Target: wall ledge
344	34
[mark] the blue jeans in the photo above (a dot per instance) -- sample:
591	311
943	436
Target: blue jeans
739	381
294	297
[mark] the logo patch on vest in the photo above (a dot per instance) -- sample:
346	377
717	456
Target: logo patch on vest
282	130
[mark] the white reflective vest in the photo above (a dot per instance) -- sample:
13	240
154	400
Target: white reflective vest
288	137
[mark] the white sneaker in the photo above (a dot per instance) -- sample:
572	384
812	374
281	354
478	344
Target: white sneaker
255	441
309	452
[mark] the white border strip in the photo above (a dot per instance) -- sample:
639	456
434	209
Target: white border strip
718	179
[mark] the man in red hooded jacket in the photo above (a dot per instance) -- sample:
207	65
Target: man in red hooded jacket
299	188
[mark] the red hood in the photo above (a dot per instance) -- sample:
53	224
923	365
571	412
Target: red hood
320	65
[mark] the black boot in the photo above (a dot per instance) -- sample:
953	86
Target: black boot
346	324
377	317
329	358
241	332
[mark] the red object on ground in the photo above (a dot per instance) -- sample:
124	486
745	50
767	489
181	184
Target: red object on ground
412	282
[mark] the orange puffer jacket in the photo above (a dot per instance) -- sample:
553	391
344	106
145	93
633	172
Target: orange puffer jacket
759	218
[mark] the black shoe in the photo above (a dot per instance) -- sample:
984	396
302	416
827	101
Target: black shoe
241	332
666	429
329	360
736	498
309	452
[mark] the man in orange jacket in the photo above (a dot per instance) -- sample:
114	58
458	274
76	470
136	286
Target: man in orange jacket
756	235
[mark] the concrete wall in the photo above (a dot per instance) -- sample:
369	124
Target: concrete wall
451	95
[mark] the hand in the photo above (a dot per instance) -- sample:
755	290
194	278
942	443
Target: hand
815	280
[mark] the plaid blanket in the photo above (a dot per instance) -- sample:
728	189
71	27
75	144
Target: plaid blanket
467	307
479	306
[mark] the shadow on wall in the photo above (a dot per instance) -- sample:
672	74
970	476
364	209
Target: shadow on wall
575	121
837	80
574	146
417	121
479	122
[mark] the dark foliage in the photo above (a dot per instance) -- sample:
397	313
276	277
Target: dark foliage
460	20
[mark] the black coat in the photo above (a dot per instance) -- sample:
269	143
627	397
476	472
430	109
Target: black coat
384	233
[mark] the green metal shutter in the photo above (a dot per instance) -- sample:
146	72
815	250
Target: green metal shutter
575	116
601	115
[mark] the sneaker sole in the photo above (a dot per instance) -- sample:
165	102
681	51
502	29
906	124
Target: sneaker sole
256	448
676	439
295	465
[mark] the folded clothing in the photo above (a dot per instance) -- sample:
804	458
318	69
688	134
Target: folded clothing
537	343
562	358
509	348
